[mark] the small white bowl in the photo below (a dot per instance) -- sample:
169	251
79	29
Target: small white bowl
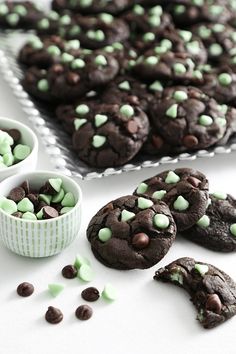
41	238
28	138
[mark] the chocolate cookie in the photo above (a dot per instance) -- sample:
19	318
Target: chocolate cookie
125	89
92	6
143	20
47	51
96	32
75	77
131	232
213	11
19	14
216	229
211	290
178	67
184	190
110	135
221	85
187	119
218	38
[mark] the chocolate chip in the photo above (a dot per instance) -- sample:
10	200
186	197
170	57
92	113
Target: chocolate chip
84	312
25	289
48	189
134	100
69	272
190	141
132	127
17	214
17	194
53	315
57	69
15	134
33	198
194	181
140	241
49	212
107	208
90	294
72	78
157	141
25	186
213	303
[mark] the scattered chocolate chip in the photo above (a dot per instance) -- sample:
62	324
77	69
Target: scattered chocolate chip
194	181
72	78
53	315
57	69
25	289
90	294
17	214
25	186
190	141
134	100
140	240
69	272
84	312
33	198
132	127
107	208
49	212
17	194
213	303
15	134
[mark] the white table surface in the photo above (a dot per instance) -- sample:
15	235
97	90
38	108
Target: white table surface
147	317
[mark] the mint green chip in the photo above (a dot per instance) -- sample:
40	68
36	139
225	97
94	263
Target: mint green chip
161	221
201	268
68	200
40	214
56	183
125	86
82	109
73	44
54	50
43	24
233	229
75	30
100	119
59	196
20	10
179	68
156	86
29	216
85	273
154	21
67	58
80	260
65	210
65	20
186	35
25	205
219	195
107	18
9	206
159	194
205	120
127	110
47	198
172	177
109	292
172	111
96	35
85	3
21	151
3	9
5	148
100	60
142	188
13	19
204	32
43	85
35	43
55	289
204	222
104	234
215	49
98	141
78	64
149	37
179	9
225	79
151	60
8	159
79	122
6	138
138	10
193	47
181	203
127	215
144	203
180	96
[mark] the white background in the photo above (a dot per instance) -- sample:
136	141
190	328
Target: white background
147	317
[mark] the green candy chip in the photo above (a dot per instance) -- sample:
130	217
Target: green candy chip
98	141
172	177
82	110
29	216
59	196
68	200
85	273
127	110
109	292
79	122
202	269
203	222
159	194
104	234
142	188
144	203
7	205
181	204
161	221
47	198
56	184
172	111
127	215
55	289
79	261
25	205
100	119
233	229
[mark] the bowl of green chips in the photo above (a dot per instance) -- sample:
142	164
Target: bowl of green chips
18	148
40	213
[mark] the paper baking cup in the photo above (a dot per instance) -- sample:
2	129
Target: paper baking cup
41	238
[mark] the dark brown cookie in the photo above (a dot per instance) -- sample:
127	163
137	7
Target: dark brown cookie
184	190
187	119
131	232
19	14
110	135
92	6
216	229
211	290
